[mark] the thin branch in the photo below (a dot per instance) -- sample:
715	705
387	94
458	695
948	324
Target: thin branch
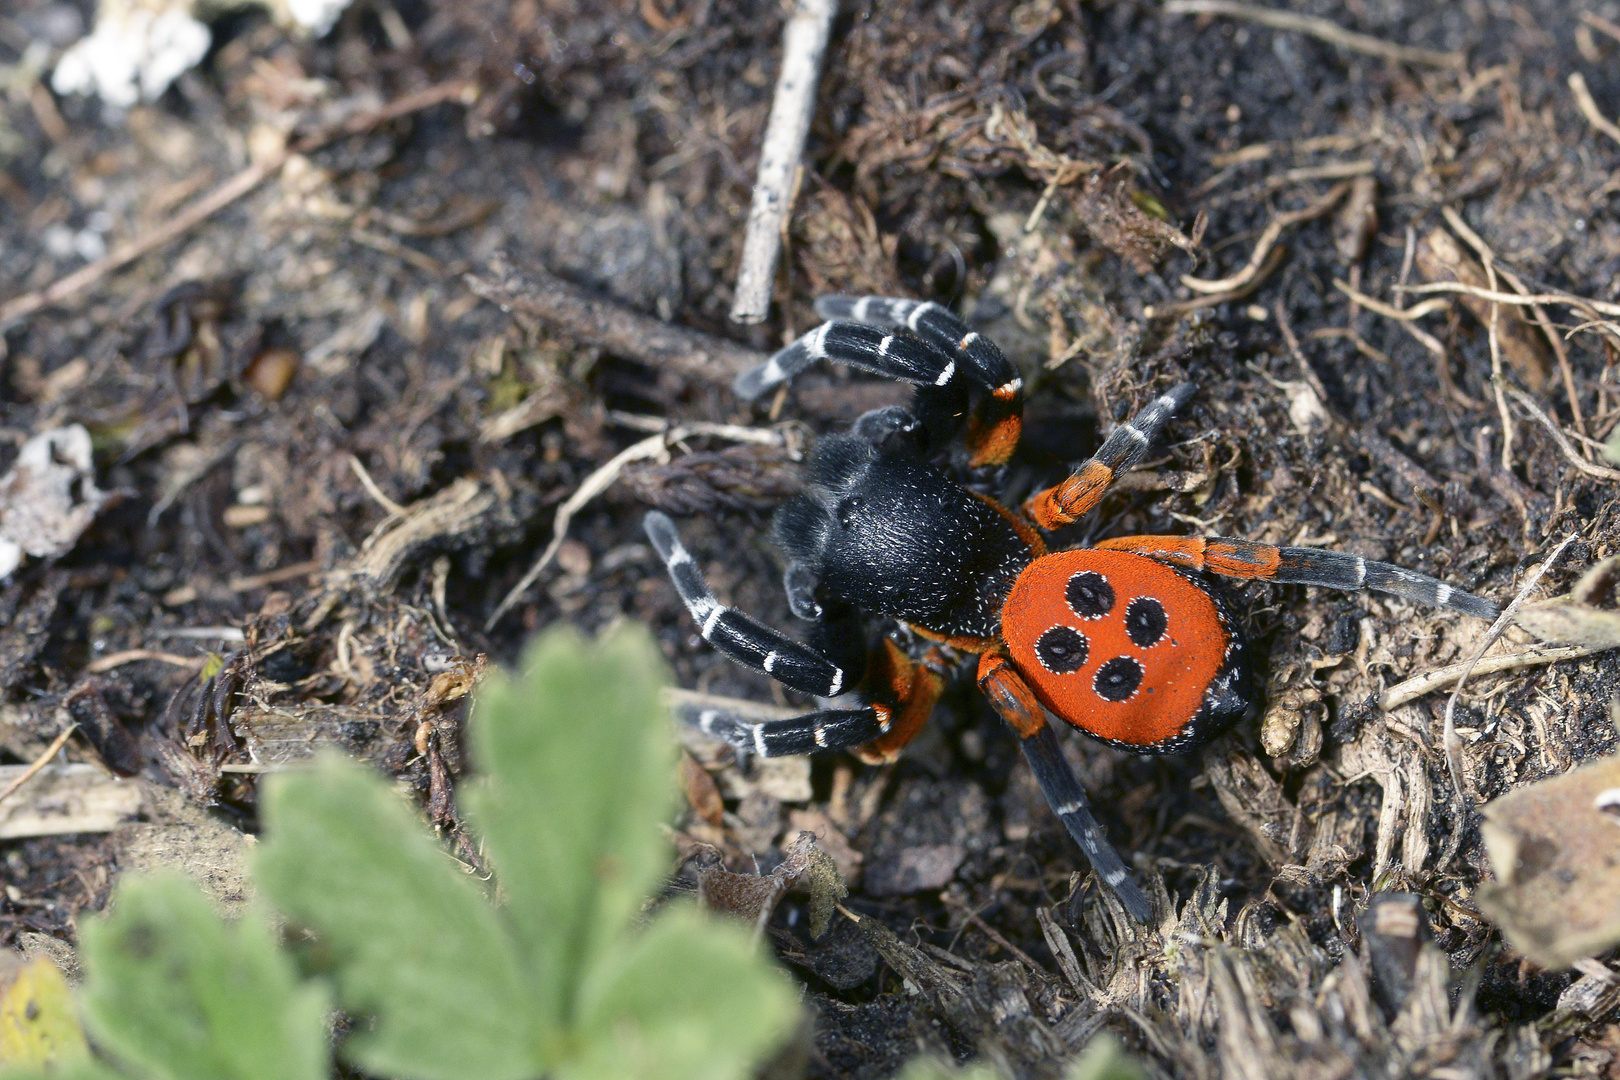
1262	248
1403	693
39	762
535	295
1452	744
130	656
1322	29
804	41
1529	405
1604	306
377	493
1560	350
593	485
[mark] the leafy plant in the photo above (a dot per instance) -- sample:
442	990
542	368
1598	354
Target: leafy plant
559	974
1102	1059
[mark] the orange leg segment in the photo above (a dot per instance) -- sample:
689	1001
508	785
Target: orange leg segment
1228	558
916	688
1010	695
1301	566
1121	452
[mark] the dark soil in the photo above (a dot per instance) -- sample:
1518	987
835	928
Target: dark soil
610	147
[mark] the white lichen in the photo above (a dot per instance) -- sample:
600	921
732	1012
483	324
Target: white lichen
139	47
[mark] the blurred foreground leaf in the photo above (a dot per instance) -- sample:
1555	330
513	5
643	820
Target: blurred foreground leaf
415	947
39	1024
172	990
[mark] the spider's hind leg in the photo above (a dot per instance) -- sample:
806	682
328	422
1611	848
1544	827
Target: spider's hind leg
1341	570
1017	705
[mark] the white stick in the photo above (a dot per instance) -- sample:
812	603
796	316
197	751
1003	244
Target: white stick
804	40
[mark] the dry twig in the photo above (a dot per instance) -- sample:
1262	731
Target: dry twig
1529	405
1589	107
39	762
1452	744
130	656
1262	248
1560	350
593	485
1322	29
804	41
538	296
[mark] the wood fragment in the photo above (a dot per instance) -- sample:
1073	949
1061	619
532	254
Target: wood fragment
1441	259
804	42
62	799
537	296
1322	29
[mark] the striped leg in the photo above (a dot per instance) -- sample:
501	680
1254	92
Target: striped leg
1302	566
822	731
932	349
1122	451
744	640
1012	698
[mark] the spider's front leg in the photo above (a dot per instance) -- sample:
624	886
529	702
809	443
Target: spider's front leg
1016	703
962	379
904	693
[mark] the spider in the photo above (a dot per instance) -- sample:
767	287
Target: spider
1126	640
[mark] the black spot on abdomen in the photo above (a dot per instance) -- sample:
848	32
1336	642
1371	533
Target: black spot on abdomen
1145	622
1062	649
1117	679
1089	594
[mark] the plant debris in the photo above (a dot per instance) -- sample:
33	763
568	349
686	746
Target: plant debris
363	330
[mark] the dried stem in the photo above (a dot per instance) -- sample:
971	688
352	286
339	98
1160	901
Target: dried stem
804	41
1322	29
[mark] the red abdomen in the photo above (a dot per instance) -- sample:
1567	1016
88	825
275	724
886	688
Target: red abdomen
1125	648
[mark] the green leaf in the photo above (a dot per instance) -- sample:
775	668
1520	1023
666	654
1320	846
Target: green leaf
578	766
692	998
174	991
416	947
87	1070
1103	1059
931	1068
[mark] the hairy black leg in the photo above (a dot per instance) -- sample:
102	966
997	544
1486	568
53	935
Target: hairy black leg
886	426
1122	451
962	378
739	637
1015	703
1341	570
799	582
1301	566
987	366
902	356
1068	801
817	732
